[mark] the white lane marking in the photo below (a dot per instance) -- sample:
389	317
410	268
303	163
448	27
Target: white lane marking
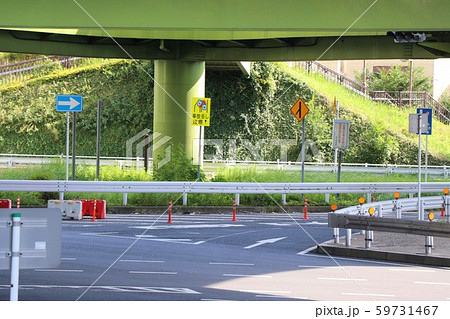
68	258
113	288
265	241
359	260
432	283
189	226
59	270
168	240
307	250
277	224
141	261
281	292
153	272
231	264
216	300
367	295
303	266
341	279
274	296
404	269
253	276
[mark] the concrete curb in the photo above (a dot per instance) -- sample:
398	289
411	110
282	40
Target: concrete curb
383	255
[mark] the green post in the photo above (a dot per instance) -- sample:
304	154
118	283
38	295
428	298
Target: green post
176	83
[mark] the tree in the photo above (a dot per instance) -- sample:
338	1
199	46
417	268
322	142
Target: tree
395	79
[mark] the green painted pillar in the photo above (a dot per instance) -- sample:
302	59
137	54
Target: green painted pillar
176	83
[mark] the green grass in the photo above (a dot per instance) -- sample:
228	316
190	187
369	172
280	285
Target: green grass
391	118
56	171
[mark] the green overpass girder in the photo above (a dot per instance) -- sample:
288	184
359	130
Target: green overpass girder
285	30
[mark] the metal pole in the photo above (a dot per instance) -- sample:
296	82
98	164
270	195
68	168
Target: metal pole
15	257
99	127
426	158
303	152
67	146
339	171
419	186
303	149
199	151
74	136
348	237
336	151
410	81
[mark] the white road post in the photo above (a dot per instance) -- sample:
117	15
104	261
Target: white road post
15	257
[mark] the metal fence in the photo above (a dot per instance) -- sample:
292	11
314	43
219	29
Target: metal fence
236	188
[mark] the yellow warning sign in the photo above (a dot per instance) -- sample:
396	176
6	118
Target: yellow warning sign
299	110
200	111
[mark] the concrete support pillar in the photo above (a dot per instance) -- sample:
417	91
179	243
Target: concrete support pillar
177	82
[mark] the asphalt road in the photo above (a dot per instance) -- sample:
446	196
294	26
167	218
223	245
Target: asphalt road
210	257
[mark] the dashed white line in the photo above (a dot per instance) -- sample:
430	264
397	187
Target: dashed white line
281	292
59	270
432	283
141	261
231	264
341	279
68	258
404	269
153	272
253	276
367	295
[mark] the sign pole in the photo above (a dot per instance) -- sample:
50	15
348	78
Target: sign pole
99	126
419	186
339	171
337	118
74	136
426	158
67	145
199	151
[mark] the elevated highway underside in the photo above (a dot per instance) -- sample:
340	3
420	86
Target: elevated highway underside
181	35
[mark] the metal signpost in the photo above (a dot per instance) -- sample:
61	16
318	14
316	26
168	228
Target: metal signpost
200	115
69	104
299	110
341	131
30	238
428	114
420	124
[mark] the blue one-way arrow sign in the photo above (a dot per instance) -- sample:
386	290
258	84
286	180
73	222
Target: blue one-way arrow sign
69	103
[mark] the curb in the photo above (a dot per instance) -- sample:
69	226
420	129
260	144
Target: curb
383	255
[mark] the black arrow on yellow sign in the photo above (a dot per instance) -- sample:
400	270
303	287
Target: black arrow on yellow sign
299	110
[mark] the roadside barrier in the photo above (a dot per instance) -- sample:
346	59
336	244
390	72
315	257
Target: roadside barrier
379	218
5	203
78	208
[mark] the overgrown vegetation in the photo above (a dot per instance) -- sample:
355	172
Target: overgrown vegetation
250	116
112	173
396	78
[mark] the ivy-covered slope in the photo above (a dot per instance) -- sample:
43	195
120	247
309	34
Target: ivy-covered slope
251	113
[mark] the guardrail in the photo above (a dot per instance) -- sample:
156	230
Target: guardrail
237	188
372	216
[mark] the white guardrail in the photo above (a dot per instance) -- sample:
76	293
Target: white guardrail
218	187
394	209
